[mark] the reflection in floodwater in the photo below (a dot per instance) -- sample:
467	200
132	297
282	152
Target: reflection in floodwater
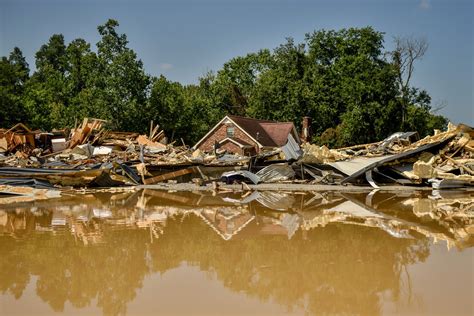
334	253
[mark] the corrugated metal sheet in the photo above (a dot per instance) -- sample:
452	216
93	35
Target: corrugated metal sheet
292	149
275	173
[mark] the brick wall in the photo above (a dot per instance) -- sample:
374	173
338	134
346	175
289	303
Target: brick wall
221	133
232	148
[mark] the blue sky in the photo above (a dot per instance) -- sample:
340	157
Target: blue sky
184	39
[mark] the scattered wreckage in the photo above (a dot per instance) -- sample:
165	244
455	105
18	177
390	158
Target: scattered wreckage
91	156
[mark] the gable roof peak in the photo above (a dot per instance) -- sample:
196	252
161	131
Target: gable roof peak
265	132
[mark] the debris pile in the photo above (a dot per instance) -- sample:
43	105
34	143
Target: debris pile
321	154
89	155
442	160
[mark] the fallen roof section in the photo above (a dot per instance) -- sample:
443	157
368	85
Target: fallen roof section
385	159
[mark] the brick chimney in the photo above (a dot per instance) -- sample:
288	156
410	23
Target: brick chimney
306	132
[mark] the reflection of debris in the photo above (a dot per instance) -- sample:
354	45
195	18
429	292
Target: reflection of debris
273	200
291	222
99	213
24	194
352	209
395	231
449	218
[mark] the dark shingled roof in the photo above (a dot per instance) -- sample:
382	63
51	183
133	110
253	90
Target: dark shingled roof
270	133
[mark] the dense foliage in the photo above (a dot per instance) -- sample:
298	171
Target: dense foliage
343	79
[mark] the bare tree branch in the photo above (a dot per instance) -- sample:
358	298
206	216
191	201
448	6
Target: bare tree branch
439	106
407	51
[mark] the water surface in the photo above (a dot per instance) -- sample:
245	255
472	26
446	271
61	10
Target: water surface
268	253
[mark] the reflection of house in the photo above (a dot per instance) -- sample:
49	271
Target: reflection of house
248	136
286	224
225	222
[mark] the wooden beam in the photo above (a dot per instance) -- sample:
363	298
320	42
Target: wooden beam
169	175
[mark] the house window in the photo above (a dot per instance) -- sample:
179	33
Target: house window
230	131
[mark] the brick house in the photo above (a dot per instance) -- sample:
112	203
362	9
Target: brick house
248	136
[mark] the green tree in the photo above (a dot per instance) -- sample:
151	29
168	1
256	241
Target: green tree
204	107
14	73
418	114
342	79
234	84
81	73
120	82
185	112
46	92
167	107
282	93
72	82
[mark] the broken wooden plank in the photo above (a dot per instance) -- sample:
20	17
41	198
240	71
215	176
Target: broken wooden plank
169	175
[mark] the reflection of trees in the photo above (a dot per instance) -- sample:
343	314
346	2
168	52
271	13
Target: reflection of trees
337	269
68	271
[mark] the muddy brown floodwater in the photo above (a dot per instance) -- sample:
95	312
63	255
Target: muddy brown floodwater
262	253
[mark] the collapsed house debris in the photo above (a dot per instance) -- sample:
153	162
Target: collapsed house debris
19	137
399	159
89	155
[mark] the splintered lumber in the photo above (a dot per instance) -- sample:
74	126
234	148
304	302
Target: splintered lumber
3	144
159	136
143	140
82	134
169	176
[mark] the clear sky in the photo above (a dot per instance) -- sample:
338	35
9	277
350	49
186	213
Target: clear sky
184	39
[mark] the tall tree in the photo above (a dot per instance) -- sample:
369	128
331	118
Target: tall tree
52	55
81	74
235	82
46	93
121	79
14	73
281	92
167	107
